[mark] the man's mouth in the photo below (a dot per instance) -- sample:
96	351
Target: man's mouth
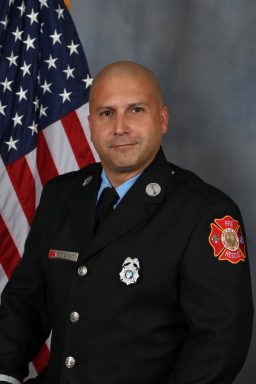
123	145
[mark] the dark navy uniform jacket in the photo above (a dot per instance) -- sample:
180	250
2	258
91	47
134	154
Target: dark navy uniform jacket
188	317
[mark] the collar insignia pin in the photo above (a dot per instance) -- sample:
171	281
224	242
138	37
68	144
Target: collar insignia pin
153	189
87	181
130	271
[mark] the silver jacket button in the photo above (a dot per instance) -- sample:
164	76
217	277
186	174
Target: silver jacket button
70	362
82	271
74	317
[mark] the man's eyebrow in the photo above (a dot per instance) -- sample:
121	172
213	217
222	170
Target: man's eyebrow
102	107
137	104
113	107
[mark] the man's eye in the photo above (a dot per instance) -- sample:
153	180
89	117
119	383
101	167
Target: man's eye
105	113
137	109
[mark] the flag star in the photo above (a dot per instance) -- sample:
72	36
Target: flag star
51	62
5	22
11	144
43	3
33	128
25	68
73	48
36	102
43	111
11	2
22	94
22	8
33	17
6	84
2	108
56	37
65	95
12	60
41	28
17	34
60	12
88	81
69	72
29	42
17	119
46	87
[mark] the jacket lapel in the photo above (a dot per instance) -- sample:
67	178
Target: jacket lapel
82	206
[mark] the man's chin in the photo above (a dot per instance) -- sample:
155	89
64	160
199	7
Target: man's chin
125	167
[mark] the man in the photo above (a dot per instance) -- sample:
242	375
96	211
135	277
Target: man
158	292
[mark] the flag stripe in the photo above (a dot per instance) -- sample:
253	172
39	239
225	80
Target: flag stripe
9	255
77	139
31	160
48	341
42	358
3	279
82	114
24	185
60	148
32	373
12	212
45	164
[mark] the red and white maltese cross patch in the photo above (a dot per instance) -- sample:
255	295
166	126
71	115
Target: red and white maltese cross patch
227	240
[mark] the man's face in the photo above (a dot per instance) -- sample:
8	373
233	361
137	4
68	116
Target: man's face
127	122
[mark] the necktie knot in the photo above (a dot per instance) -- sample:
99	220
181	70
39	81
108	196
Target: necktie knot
107	200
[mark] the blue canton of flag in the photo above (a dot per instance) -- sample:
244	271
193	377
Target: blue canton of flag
43	71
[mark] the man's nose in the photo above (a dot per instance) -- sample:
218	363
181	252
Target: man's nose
120	126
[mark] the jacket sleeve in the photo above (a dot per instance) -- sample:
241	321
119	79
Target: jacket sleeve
24	323
215	294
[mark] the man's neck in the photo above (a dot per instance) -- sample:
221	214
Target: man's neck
117	179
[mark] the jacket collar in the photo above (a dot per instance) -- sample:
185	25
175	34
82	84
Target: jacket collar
136	207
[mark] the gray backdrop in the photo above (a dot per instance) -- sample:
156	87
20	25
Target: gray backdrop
204	54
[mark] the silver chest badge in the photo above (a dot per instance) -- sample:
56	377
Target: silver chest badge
130	271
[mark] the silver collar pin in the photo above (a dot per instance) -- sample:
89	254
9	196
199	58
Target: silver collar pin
153	189
87	181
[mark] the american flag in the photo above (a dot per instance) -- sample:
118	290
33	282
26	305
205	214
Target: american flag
44	85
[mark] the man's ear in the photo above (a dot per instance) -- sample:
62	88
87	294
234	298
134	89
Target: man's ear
164	119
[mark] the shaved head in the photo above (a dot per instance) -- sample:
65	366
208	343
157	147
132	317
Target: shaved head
126	69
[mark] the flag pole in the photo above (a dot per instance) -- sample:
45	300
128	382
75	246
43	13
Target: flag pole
67	3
